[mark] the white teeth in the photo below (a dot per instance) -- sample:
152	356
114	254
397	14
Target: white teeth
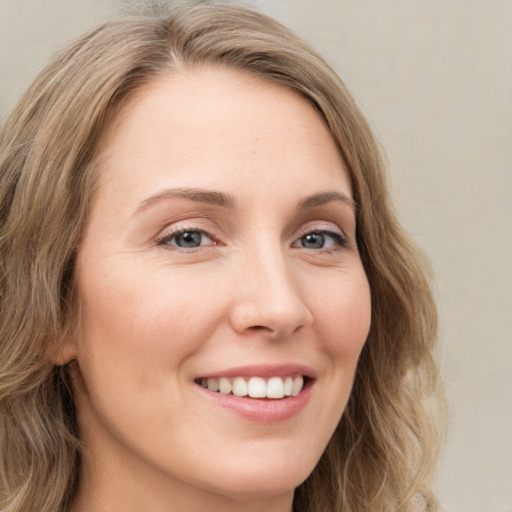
225	386
213	385
298	383
275	388
239	387
288	386
256	387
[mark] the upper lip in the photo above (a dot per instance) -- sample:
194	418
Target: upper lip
262	370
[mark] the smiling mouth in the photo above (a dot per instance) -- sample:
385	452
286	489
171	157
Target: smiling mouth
256	387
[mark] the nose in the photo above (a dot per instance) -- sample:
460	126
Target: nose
268	299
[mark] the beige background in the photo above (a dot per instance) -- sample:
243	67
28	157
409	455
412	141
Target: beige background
435	79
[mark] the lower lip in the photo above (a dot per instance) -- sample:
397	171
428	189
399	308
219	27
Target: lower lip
262	410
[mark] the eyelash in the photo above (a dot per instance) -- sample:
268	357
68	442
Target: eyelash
339	239
165	239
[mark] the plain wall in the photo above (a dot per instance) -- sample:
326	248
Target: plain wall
435	79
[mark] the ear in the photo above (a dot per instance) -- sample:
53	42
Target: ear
62	352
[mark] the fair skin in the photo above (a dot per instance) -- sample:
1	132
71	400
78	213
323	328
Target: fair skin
265	282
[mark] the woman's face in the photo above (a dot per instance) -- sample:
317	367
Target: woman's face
220	251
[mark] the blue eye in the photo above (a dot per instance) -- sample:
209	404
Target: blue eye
321	240
187	239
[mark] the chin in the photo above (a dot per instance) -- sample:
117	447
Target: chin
265	479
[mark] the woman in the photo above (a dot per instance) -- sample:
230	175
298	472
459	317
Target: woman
207	301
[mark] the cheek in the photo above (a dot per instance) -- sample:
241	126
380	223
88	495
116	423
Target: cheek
139	320
343	315
138	332
342	318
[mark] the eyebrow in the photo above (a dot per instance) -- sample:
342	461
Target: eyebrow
193	194
224	200
326	197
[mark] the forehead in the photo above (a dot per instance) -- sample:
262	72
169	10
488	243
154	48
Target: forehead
218	126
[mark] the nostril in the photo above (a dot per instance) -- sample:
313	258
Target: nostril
261	317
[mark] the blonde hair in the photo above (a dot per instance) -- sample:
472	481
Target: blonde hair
383	452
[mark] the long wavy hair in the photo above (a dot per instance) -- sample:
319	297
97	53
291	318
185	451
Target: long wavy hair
383	452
